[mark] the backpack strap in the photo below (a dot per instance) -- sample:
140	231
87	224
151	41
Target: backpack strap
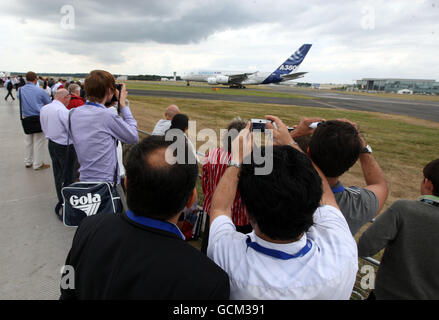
69	128
19	100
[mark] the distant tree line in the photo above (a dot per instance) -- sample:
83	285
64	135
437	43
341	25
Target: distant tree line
150	77
83	75
303	84
55	75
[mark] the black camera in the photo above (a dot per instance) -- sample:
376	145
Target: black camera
115	98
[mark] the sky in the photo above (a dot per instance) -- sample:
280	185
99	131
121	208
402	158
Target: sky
350	39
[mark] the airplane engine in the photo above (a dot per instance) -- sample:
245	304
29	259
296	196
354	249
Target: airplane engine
211	80
218	80
222	79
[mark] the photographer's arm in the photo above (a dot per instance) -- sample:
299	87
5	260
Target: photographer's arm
124	129
225	192
281	136
224	195
374	177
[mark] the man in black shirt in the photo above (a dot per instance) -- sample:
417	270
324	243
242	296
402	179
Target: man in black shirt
141	254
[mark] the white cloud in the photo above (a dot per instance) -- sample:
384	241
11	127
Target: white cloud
161	37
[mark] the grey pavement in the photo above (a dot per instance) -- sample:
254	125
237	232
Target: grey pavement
427	110
33	242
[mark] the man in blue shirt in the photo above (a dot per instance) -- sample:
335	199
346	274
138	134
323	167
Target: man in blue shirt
33	99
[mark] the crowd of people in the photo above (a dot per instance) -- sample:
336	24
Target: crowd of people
288	234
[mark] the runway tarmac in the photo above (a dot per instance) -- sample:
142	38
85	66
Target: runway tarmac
427	110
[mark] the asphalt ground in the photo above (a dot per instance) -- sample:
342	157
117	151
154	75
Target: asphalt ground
426	110
33	242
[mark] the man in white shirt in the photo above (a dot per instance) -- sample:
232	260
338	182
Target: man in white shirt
301	246
53	118
164	124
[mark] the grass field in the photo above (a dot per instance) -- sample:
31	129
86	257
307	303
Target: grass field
402	145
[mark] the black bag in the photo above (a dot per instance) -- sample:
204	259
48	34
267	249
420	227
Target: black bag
83	199
30	124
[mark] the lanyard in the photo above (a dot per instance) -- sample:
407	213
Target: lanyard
430	201
338	189
94	104
156	224
279	254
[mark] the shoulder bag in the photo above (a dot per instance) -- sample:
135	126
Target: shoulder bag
83	199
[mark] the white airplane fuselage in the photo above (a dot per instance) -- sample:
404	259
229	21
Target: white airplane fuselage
222	77
285	72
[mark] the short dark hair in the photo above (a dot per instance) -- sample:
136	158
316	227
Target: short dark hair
31	76
180	121
97	84
283	202
335	147
431	172
155	188
303	142
238	124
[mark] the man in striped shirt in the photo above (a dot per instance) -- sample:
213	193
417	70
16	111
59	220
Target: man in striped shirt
215	165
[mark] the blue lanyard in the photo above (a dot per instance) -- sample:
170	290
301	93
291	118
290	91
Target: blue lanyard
431	202
338	189
156	224
279	254
94	104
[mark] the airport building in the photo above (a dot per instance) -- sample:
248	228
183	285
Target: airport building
416	86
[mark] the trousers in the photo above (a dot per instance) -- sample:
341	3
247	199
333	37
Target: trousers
9	94
64	171
34	149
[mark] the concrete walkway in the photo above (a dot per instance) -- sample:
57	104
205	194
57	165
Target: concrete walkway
33	242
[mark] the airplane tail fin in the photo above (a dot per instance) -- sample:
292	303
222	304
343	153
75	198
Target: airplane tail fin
293	62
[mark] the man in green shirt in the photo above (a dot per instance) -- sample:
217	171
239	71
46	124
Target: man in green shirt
408	230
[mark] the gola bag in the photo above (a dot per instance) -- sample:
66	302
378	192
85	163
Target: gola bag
84	199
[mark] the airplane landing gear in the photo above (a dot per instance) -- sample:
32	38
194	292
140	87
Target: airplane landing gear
237	86
187	84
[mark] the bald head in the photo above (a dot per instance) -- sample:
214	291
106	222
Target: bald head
158	186
63	96
171	111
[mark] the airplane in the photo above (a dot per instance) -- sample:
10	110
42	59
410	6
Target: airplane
284	72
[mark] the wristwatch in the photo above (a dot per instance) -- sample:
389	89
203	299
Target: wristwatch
233	164
367	149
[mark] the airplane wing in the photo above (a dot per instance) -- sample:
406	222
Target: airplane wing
292	76
238	78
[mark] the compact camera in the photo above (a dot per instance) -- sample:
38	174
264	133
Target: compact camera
259	124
